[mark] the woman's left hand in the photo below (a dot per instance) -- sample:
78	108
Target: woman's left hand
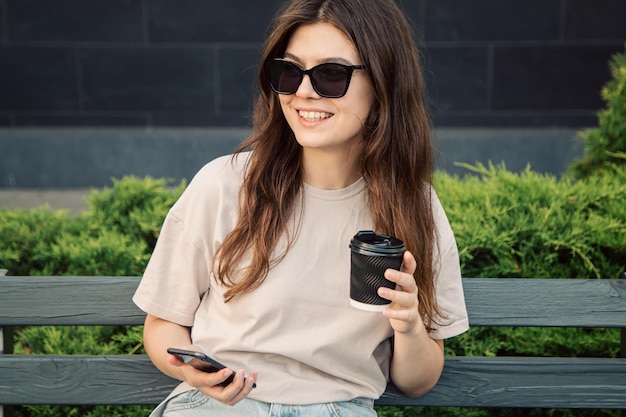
403	311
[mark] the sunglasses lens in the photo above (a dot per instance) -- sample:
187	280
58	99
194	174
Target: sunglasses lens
331	80
285	77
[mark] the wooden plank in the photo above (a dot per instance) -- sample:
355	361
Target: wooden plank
542	302
525	382
81	380
466	382
68	301
490	301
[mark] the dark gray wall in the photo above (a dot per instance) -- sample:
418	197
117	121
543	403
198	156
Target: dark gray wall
192	62
172	81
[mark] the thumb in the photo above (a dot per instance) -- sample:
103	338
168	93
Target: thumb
175	360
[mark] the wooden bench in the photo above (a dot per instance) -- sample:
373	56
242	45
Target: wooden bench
547	382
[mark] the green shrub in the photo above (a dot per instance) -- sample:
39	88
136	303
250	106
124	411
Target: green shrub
113	238
27	237
606	144
134	207
536	226
506	224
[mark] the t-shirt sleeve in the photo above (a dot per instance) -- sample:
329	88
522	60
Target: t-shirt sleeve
178	274
448	284
176	278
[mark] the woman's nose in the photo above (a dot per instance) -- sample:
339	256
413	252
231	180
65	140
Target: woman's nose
305	89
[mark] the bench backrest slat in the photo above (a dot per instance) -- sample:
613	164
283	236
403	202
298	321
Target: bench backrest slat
86	301
490	302
539	302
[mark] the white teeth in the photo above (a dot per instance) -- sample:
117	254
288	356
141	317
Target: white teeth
312	116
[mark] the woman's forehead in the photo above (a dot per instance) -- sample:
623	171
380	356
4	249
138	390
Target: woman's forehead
321	42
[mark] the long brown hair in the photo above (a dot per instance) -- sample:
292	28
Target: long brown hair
397	155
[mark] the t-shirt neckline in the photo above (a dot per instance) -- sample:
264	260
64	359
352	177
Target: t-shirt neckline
351	190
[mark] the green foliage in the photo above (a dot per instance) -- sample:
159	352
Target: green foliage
512	341
71	411
113	238
96	340
28	236
536	226
506	225
431	412
605	145
134	207
488	412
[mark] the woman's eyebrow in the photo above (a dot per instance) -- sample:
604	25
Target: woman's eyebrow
291	56
333	59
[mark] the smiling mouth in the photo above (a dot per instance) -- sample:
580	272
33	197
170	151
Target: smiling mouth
314	116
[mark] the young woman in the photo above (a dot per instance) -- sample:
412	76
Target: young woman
252	266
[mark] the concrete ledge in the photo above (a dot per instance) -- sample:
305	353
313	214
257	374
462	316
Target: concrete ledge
547	151
80	157
71	199
60	158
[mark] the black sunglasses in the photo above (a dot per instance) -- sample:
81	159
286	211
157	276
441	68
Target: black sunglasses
330	80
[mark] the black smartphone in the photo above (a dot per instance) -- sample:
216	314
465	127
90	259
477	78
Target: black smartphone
202	362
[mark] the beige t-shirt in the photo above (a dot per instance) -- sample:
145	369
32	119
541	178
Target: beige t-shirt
298	329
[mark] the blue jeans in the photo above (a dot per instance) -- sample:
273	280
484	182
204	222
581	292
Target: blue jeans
195	404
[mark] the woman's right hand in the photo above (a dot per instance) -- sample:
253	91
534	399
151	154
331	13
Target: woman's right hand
208	382
159	334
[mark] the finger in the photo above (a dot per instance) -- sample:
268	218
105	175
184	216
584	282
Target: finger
210	386
251	380
249	384
408	263
224	374
403	280
239	388
406	315
399	299
197	378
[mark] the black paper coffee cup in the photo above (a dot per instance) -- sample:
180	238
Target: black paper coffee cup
372	254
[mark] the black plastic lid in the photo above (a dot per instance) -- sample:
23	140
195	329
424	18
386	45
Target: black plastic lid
368	241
